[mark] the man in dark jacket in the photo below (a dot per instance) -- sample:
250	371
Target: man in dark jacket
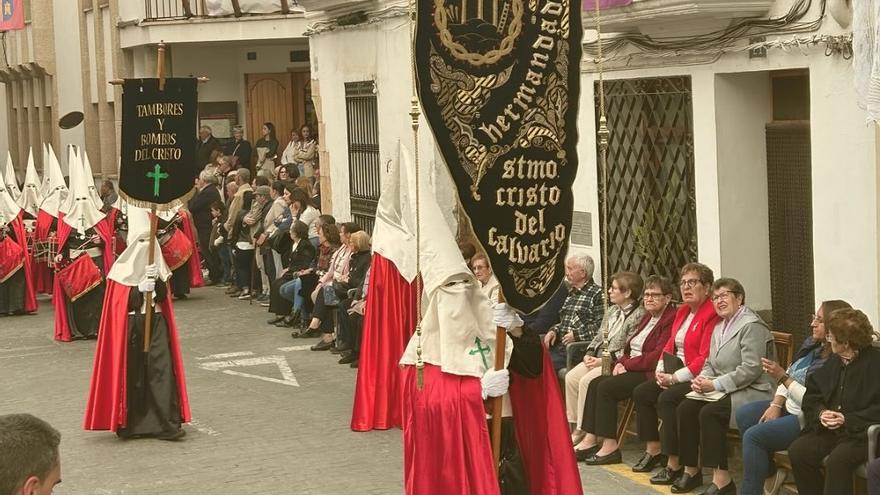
200	208
205	146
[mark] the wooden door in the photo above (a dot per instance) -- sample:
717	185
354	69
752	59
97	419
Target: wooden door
270	99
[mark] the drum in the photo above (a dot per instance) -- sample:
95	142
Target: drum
176	250
79	277
11	258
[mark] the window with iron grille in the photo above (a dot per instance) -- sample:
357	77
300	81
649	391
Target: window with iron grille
363	152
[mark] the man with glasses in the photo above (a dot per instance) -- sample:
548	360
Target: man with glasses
581	313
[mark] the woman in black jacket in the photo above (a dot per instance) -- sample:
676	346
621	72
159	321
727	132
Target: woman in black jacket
842	400
285	296
348	339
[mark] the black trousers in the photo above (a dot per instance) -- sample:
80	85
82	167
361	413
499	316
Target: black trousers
704	424
653	401
845	454
600	410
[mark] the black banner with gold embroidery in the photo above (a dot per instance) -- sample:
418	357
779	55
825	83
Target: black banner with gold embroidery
158	163
499	85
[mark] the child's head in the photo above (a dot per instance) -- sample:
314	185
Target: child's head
216	209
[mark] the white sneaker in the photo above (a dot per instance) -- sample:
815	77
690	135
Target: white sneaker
244	296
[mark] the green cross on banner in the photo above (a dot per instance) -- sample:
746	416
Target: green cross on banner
482	350
157	175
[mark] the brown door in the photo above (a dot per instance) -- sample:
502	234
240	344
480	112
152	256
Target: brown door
270	99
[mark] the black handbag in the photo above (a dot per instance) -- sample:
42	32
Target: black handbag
280	241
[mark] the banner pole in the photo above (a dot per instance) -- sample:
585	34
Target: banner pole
151	250
497	402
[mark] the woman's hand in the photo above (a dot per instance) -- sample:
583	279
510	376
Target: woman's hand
664	380
772	368
592	362
619	369
832	419
772	412
550	338
702	385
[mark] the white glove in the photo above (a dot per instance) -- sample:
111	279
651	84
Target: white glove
218	241
495	383
147	285
504	316
151	271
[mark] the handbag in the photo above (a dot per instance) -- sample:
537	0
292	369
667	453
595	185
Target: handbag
331	298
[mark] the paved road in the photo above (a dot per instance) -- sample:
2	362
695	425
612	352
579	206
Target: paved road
282	430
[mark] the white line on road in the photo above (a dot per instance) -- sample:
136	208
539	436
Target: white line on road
226	355
287	377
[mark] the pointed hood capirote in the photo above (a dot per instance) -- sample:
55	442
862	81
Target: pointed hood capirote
55	189
90	180
79	210
31	198
130	267
9	209
9	178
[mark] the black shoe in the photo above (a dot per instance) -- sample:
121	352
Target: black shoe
687	483
276	320
340	350
648	462
311	332
729	489
354	364
582	455
322	346
666	476
348	359
602	460
171	436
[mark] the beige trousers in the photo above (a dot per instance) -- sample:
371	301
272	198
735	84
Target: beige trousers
577	381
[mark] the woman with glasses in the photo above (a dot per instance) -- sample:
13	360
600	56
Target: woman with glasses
681	360
620	324
770	426
841	401
731	376
635	365
483	272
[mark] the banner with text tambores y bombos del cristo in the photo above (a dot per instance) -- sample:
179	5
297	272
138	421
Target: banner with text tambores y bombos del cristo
158	164
499	84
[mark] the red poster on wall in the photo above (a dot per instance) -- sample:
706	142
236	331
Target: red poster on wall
11	15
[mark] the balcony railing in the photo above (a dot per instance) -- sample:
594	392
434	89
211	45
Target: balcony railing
160	10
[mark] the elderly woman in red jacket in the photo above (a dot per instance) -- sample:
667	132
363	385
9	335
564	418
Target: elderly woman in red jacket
685	351
635	366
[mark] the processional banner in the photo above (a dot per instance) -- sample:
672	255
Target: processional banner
499	84
158	163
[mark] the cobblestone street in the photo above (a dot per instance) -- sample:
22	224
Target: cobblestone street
270	416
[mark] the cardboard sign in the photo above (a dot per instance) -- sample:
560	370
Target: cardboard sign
158	163
499	84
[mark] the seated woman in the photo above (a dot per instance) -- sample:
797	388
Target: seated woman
635	365
684	355
326	299
841	401
285	298
620	323
770	426
358	266
330	243
488	283
731	376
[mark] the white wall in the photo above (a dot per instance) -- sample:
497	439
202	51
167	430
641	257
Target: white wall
68	64
743	107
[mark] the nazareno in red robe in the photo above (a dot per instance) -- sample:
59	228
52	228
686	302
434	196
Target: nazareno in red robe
41	271
30	297
107	406
195	260
62	326
389	322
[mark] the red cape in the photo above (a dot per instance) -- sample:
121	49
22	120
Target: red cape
42	273
542	433
30	296
195	260
106	408
62	327
389	321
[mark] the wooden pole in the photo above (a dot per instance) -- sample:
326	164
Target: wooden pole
498	402
151	250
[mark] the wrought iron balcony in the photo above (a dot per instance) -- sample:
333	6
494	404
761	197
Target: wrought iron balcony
161	10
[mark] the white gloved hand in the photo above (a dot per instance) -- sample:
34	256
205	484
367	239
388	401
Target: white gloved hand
218	241
151	271
495	383
504	316
147	285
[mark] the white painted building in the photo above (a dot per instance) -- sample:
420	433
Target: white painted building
735	101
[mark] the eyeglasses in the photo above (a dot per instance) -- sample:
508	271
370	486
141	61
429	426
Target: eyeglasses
652	295
721	295
689	283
